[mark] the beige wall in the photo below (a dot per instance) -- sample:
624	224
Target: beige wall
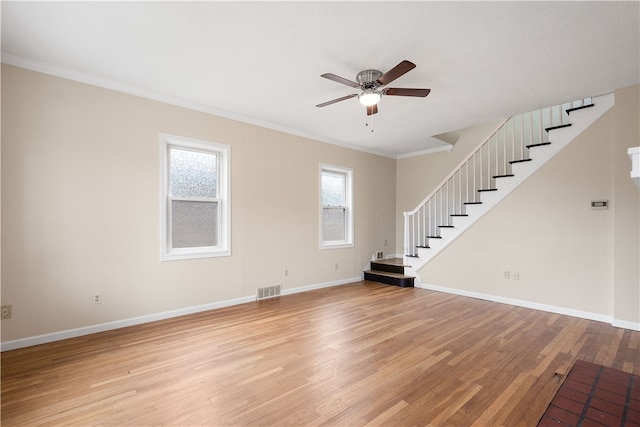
80	200
626	214
566	254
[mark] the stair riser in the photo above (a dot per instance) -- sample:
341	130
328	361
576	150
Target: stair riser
387	267
401	282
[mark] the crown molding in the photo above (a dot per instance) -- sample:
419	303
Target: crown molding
69	74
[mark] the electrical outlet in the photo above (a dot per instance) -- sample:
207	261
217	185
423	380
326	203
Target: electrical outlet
97	298
337	266
5	312
507	274
286	272
515	275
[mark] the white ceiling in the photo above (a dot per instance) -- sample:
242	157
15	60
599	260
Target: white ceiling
260	62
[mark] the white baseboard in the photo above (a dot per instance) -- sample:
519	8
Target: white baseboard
86	330
625	324
527	304
321	285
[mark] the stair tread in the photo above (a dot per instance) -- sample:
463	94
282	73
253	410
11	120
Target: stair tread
557	127
434	237
539	144
570	110
388	274
503	176
446	226
519	161
391	261
459	215
487	189
472	203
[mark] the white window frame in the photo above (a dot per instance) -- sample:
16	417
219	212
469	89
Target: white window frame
223	152
349	226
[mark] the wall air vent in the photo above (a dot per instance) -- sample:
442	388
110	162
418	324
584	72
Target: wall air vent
269	292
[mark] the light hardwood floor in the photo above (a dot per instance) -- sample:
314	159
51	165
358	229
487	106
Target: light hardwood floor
358	354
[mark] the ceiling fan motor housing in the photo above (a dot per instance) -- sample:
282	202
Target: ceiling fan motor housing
367	79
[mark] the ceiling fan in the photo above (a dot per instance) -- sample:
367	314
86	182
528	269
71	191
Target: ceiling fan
370	82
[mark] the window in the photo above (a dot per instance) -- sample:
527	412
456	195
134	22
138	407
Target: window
336	207
194	198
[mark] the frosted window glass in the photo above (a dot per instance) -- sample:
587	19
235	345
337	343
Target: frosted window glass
333	224
193	174
194	224
333	189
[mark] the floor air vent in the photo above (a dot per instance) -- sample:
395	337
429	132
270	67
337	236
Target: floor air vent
269	292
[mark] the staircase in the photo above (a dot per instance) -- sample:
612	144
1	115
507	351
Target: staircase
520	146
389	271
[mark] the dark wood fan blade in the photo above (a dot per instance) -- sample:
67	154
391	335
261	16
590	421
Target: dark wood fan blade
373	109
406	92
333	101
339	79
397	71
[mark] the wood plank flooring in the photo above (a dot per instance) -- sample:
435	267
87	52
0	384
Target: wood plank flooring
352	355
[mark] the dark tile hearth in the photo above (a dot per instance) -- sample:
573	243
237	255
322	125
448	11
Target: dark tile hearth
595	395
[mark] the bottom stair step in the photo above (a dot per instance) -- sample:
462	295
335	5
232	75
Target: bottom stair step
387	278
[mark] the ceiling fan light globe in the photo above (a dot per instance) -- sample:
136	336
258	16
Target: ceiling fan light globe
369	98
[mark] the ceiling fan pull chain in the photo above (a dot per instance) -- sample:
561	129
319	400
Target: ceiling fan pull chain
369	120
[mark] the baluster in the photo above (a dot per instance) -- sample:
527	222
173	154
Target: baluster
453	193
458	199
530	135
521	137
413	235
488	164
441	218
429	232
456	205
466	187
406	236
445	220
475	193
481	174
423	225
416	231
416	226
460	204
432	216
441	206
504	148
513	138
540	126
495	166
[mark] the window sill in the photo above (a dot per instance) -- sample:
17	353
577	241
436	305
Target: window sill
178	256
336	245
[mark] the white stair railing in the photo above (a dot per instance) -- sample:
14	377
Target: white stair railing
492	159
